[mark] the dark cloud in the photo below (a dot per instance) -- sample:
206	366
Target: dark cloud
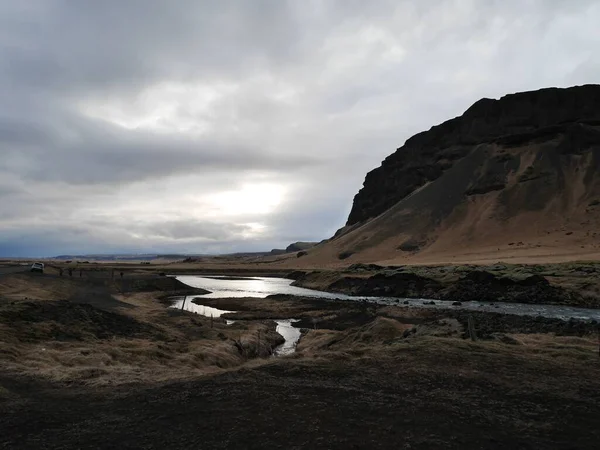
101	153
206	126
72	45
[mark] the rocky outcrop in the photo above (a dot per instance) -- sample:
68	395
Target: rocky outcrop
514	120
299	246
388	285
476	286
486	287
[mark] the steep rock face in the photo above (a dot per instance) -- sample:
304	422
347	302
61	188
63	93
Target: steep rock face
515	178
514	120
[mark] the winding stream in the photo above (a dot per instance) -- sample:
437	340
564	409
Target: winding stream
260	287
291	335
285	328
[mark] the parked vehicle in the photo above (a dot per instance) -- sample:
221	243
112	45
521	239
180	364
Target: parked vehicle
37	267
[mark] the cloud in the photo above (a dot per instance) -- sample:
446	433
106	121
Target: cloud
205	126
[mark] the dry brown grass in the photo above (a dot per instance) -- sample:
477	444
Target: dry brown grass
178	354
25	286
387	337
139	340
120	360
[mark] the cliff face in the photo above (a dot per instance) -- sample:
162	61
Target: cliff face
512	178
514	120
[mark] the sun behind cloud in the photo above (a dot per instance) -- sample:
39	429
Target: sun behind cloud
251	198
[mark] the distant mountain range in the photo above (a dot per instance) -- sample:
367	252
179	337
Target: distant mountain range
123	257
295	247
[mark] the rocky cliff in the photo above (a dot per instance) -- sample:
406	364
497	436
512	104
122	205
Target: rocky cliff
514	177
514	119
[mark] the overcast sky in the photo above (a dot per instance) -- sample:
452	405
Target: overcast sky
219	126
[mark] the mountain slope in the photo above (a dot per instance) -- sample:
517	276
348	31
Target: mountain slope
517	175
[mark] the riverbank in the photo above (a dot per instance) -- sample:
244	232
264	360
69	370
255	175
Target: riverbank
569	284
313	313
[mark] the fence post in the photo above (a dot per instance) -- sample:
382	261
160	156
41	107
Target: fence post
183	304
471	325
258	345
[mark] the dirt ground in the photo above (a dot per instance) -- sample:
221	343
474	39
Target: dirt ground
91	362
436	394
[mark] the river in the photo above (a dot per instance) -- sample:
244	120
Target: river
260	287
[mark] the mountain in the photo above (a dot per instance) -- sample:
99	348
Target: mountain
515	176
122	257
